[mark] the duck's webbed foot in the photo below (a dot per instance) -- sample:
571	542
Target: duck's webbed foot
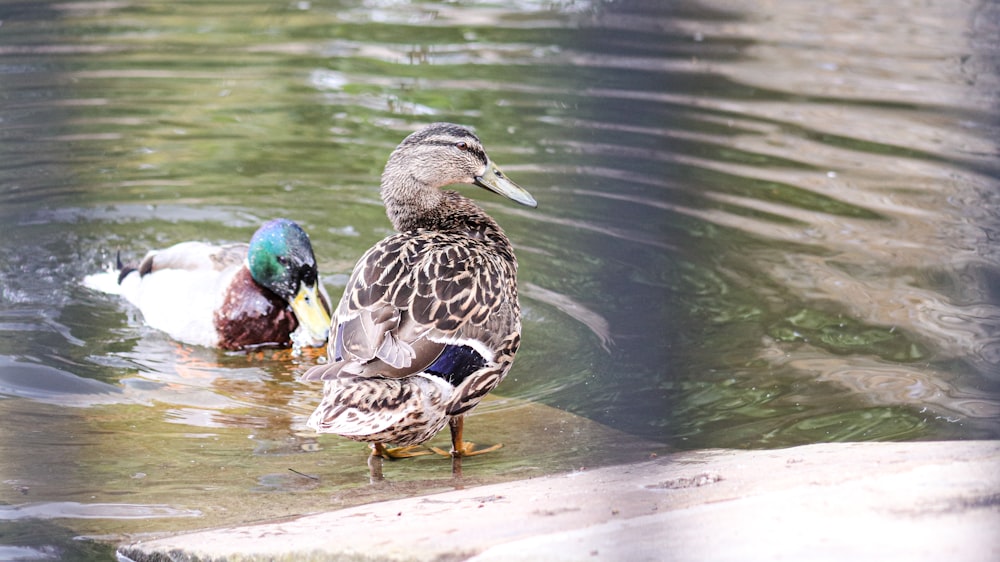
396	453
465	449
460	448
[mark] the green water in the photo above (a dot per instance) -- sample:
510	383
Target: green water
755	229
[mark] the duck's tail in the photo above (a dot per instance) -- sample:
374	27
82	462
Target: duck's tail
109	281
123	269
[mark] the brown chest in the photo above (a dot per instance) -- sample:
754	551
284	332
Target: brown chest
251	315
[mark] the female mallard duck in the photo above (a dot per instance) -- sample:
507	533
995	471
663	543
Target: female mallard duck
234	296
429	322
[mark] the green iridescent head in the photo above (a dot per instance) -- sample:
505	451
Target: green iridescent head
281	259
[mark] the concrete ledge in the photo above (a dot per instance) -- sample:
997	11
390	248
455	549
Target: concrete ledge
862	501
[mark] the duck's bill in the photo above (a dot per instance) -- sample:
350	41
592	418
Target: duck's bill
314	319
494	180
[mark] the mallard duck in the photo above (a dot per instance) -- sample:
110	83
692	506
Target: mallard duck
233	296
429	322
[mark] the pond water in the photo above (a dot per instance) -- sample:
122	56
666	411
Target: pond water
756	228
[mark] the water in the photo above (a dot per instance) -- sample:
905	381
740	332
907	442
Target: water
756	228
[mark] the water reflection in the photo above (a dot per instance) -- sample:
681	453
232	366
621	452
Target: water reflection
757	227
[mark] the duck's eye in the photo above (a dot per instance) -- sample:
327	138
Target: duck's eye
462	146
309	275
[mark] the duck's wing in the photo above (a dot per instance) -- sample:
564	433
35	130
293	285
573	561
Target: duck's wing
191	256
416	296
186	256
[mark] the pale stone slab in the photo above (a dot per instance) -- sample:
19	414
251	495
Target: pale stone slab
859	501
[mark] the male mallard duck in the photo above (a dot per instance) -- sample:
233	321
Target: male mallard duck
429	321
234	296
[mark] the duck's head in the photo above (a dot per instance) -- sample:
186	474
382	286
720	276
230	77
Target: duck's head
281	259
443	154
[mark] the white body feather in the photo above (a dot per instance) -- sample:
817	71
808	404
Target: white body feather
182	292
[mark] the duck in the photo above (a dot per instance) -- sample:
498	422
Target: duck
230	296
429	322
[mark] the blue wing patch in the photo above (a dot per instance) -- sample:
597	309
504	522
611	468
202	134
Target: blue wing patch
456	363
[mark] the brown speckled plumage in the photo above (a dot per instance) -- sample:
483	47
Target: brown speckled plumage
429	322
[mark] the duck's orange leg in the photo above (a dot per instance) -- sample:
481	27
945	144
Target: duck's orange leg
460	448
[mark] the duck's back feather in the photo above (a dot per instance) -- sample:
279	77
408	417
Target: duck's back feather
194	256
429	324
412	294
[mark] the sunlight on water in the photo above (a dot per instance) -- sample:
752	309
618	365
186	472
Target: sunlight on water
757	227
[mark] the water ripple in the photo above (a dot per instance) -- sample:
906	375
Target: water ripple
76	510
54	386
890	384
592	320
